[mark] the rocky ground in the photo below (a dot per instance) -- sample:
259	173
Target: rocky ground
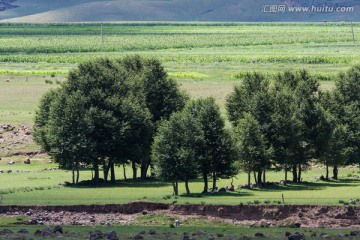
252	215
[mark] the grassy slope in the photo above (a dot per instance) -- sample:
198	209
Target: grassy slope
166	10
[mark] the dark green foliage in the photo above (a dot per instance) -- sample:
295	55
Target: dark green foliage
176	147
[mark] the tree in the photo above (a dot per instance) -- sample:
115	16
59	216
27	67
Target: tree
251	144
175	149
217	155
104	110
253	97
346	108
161	95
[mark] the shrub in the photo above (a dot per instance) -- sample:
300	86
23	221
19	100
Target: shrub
48	81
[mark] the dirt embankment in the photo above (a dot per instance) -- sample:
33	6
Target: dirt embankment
254	215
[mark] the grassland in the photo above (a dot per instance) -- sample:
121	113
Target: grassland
206	59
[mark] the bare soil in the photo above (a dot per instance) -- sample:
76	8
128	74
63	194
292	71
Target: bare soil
253	215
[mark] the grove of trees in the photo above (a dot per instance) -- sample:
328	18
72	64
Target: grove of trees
127	111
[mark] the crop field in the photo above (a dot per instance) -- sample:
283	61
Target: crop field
207	59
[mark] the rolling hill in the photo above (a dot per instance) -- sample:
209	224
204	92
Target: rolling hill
178	10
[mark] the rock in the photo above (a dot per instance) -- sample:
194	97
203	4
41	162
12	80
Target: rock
23	231
96	235
258	234
11	163
222	190
296	237
341	235
313	234
38	232
355	233
324	235
152	232
112	235
287	234
27	161
6	232
144	212
58	229
201	233
138	236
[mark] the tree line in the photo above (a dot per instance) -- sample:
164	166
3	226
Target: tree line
128	111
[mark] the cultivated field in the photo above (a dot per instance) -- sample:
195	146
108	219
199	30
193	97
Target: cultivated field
206	59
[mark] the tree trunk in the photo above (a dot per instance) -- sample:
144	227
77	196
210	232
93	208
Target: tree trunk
96	172
124	168
294	171
214	181
299	176
264	175
206	186
254	173
145	163
327	172
78	173
112	172
175	187
133	164
335	172
286	174
106	167
259	177
187	187
249	177
73	175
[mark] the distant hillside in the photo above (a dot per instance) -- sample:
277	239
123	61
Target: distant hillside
178	10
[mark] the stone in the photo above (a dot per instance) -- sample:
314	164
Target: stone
287	234
58	229
112	235
313	234
11	163
201	233
258	234
96	235
23	231
152	232
138	236
296	237
27	161
355	233
6	232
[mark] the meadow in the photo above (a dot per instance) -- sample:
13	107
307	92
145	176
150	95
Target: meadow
207	59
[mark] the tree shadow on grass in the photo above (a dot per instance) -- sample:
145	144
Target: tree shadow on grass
218	194
306	186
149	183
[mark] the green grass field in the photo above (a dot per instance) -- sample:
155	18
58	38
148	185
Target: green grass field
205	59
34	185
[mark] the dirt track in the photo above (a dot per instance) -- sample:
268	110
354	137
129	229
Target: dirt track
255	215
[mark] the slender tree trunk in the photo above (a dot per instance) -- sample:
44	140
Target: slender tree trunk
249	177
112	172
124	168
335	172
96	171
106	167
133	164
294	171
327	172
259	178
214	181
286	174
264	176
175	187
206	186
73	174
187	187
299	175
77	173
254	173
